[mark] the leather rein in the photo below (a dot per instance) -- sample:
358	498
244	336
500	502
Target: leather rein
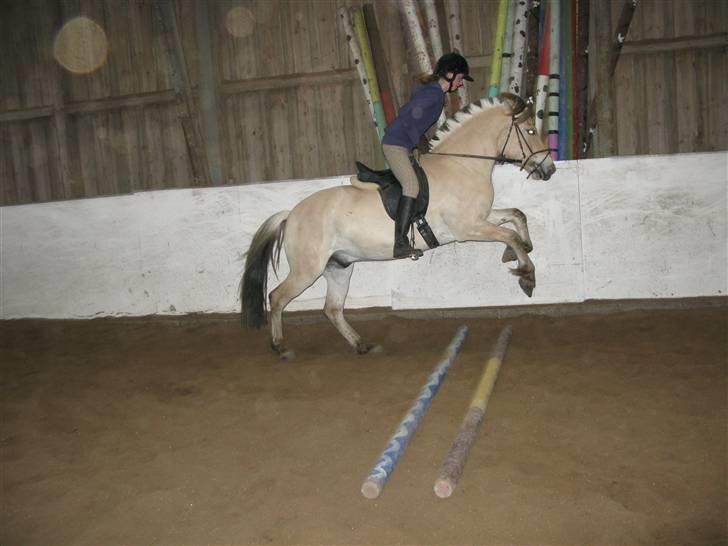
501	158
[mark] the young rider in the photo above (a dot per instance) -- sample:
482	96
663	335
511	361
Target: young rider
403	134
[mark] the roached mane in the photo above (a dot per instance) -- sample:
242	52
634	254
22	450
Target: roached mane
462	116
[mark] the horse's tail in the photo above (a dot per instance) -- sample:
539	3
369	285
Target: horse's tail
265	248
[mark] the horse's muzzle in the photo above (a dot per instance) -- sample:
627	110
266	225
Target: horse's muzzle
542	171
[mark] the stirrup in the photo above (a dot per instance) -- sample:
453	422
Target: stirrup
412	253
415	253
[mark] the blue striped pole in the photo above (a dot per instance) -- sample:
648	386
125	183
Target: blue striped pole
383	468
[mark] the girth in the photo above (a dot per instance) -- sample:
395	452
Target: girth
390	190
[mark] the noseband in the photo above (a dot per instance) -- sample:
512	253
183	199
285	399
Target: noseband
500	159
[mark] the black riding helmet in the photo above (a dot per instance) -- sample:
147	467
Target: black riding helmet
455	63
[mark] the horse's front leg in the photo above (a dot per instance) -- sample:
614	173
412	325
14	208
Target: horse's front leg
487	232
518	219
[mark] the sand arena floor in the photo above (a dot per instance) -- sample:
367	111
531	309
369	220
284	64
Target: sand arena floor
602	429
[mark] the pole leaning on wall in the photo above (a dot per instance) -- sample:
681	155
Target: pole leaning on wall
554	76
452	9
495	66
381	65
346	25
365	50
410	15
542	80
507	53
433	28
520	40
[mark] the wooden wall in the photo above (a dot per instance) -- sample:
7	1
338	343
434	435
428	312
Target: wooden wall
671	81
287	101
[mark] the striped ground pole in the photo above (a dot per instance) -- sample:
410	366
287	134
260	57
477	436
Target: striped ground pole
383	468
452	467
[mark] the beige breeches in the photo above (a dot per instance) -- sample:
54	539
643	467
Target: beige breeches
399	162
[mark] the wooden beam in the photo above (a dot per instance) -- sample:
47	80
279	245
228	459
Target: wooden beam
170	95
668	45
288	80
167	16
118	103
582	78
208	92
60	135
479	61
601	108
26	114
619	35
608	48
69	184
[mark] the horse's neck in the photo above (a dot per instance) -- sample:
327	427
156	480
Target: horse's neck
478	136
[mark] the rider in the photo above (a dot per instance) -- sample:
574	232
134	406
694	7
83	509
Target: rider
403	134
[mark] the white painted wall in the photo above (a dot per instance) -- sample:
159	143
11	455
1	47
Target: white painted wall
628	227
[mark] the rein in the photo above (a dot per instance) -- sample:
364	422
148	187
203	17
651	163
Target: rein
501	158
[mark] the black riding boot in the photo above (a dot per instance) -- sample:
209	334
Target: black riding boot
402	222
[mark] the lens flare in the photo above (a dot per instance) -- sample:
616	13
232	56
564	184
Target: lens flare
240	22
81	46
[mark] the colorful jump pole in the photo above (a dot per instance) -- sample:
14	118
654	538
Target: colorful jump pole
507	54
495	67
542	80
433	28
381	66
565	80
383	468
571	87
454	28
366	56
554	76
411	17
520	40
452	467
345	19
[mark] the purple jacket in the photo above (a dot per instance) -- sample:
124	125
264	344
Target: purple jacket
415	117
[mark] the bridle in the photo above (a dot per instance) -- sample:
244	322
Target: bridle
501	158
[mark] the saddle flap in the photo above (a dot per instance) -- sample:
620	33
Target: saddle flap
366	174
390	190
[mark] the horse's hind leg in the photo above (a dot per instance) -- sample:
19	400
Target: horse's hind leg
337	287
518	219
297	281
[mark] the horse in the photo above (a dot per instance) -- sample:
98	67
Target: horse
332	229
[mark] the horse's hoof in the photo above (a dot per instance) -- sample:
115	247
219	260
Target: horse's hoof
364	348
282	352
527	285
287	355
509	255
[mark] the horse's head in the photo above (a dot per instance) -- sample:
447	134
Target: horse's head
521	142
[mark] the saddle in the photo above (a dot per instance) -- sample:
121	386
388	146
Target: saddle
390	190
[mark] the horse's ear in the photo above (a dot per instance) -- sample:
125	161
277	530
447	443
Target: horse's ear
514	103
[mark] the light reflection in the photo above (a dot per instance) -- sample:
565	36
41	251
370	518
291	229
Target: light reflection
240	22
81	46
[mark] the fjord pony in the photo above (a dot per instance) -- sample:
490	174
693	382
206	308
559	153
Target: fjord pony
331	230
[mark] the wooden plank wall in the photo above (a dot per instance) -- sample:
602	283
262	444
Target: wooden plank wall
289	104
673	100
